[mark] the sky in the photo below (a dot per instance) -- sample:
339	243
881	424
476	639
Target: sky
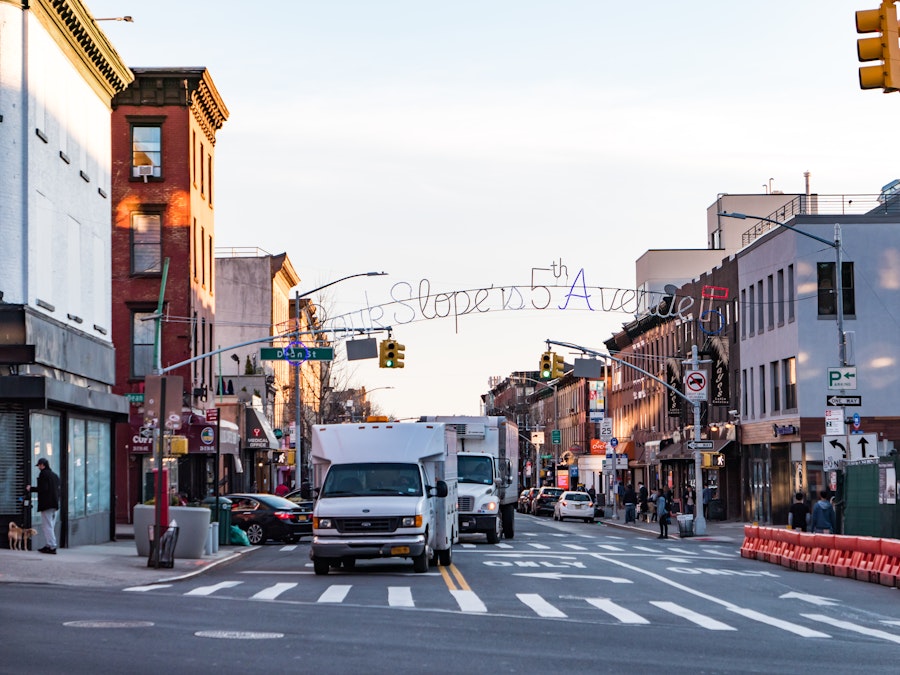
503	145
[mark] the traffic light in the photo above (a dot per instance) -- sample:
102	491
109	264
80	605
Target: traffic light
559	365
884	48
390	354
546	368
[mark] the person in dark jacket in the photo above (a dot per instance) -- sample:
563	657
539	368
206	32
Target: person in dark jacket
48	503
630	499
822	519
799	513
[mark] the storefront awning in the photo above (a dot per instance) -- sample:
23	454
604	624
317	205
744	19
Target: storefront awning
681	451
258	433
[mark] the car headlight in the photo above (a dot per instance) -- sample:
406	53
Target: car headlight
322	523
411	521
490	506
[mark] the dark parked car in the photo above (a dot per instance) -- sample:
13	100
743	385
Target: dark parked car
525	498
265	516
297	497
545	500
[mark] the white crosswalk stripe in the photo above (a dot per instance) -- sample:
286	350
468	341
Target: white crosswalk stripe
400	596
802	631
617	611
469	602
694	617
575	547
209	590
334	593
273	591
847	625
540	547
540	606
144	589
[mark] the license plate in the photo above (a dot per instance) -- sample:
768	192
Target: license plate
579	506
399	550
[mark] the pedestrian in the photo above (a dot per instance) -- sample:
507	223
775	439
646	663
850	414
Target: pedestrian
48	504
283	488
822	519
642	500
707	498
654	511
798	516
689	500
662	513
620	493
593	493
630	499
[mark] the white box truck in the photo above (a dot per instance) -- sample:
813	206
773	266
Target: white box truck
383	490
488	474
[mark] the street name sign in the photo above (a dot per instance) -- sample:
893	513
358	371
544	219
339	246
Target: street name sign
842	378
296	354
556	436
843	400
700	445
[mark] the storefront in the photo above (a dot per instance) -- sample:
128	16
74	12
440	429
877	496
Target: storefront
260	452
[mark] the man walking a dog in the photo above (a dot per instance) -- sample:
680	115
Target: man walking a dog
48	503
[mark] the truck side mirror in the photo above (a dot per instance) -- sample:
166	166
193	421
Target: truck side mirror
441	489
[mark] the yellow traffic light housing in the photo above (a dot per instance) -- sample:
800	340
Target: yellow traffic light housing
559	367
546	368
884	48
390	354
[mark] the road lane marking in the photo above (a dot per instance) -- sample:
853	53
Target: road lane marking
288	548
540	547
209	590
610	547
502	545
700	619
802	631
151	587
334	593
617	611
469	602
846	625
575	547
540	606
272	591
453	570
400	596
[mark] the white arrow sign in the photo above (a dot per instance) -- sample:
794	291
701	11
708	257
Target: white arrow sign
812	599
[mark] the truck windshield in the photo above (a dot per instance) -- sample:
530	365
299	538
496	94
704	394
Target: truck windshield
368	479
474	470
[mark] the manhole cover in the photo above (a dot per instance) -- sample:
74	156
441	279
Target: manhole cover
108	624
238	635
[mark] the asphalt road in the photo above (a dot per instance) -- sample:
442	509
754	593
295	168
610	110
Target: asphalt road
559	596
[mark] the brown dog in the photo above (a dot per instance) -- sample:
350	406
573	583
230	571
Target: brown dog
19	537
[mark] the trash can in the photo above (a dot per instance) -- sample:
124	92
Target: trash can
223	517
162	545
685	525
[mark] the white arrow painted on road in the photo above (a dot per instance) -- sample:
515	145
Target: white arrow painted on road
559	575
813	599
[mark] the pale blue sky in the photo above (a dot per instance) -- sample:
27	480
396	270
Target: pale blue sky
493	137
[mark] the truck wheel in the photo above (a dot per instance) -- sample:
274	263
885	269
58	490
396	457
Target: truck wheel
445	557
493	536
509	523
420	563
321	566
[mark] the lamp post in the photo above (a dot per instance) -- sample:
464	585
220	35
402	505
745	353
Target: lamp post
298	426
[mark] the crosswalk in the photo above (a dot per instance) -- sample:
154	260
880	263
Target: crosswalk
534	604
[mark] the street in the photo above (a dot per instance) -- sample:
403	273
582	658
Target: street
560	595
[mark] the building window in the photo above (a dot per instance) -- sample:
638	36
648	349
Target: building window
790	293
88	467
751	311
780	294
760	306
143	329
743	320
790	383
762	391
776	386
826	287
146	151
146	243
770	302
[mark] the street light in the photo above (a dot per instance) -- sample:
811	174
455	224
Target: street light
298	426
127	19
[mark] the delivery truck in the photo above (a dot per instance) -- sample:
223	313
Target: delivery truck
383	490
487	472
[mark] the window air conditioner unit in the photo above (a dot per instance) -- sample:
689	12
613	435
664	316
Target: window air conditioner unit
145	170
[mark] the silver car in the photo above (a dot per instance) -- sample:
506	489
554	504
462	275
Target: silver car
574	505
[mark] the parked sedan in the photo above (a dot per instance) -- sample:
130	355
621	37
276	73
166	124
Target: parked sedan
265	516
524	505
544	500
574	505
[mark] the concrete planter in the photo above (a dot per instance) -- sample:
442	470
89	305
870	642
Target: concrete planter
193	529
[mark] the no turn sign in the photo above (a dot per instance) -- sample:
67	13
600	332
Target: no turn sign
696	385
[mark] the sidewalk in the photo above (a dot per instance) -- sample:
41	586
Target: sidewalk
716	530
115	563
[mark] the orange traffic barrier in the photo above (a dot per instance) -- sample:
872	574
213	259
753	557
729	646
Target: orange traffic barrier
847	552
889	574
751	541
792	544
805	552
768	545
824	553
868	560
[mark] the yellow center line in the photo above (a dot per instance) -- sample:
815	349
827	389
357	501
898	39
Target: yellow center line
447	580
459	578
